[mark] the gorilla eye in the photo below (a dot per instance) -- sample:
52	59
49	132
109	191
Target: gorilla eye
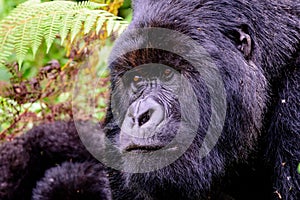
167	72
137	78
167	75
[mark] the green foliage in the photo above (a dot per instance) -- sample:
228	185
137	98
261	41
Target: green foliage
298	168
126	11
68	39
7	5
33	22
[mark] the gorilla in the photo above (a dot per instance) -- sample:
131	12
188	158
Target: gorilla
204	104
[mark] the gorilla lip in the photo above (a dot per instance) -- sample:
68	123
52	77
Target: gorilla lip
142	149
146	149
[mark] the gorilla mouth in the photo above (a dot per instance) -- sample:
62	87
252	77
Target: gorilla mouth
147	149
142	149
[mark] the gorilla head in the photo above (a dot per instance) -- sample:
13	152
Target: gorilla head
169	101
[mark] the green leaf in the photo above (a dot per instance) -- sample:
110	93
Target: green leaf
77	24
6	46
22	47
109	27
4	74
99	25
66	26
37	34
63	97
31	22
298	168
90	22
51	29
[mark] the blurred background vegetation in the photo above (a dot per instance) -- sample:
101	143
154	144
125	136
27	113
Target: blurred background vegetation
46	86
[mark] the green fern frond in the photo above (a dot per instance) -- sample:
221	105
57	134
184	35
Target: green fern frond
77	24
22	46
33	22
66	26
109	27
90	21
51	28
37	34
99	25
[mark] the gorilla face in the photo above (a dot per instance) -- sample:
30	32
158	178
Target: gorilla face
153	104
156	109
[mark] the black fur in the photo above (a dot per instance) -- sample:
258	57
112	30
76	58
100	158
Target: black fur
25	159
258	152
74	181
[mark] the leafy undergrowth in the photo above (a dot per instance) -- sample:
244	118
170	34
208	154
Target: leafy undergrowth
51	58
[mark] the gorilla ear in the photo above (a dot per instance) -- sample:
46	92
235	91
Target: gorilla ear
241	38
244	43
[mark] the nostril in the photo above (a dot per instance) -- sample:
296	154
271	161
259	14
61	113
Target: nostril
145	117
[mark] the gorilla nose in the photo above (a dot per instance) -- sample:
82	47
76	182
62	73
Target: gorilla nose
143	117
145	111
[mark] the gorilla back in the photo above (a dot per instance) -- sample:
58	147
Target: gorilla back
204	104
